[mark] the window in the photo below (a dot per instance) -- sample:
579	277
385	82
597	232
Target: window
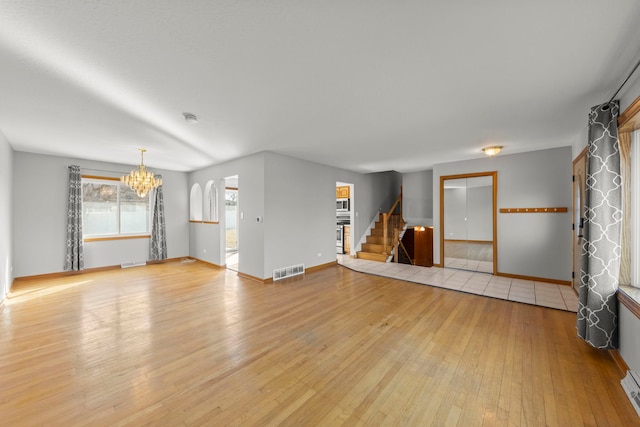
111	209
210	202
634	216
195	203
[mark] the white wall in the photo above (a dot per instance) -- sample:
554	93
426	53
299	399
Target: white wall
39	216
535	245
295	200
417	197
6	216
207	240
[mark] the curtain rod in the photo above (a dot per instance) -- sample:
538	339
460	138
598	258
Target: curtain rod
626	80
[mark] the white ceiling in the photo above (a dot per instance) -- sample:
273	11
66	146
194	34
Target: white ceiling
365	85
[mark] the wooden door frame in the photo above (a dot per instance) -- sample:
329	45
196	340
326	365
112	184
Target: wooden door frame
494	194
575	226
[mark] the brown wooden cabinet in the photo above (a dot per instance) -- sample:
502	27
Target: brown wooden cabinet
418	241
342	192
347	239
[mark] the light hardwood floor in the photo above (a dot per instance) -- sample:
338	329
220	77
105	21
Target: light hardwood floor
475	251
186	344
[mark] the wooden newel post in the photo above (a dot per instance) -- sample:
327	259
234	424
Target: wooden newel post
401	202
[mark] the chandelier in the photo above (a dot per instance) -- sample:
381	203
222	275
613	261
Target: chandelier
142	181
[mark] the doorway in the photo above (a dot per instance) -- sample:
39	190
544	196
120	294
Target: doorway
232	223
468	221
344	218
579	184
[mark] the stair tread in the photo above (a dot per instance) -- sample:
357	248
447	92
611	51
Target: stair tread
375	242
372	256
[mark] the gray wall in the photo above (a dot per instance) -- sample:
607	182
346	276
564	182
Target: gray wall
300	213
417	197
479	213
296	201
628	328
300	208
6	214
206	241
39	216
455	208
536	245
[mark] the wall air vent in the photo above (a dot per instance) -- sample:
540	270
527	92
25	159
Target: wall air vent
293	270
631	387
132	264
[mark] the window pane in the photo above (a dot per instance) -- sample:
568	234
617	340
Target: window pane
99	208
134	211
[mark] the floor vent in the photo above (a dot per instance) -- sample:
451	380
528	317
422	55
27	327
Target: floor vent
294	270
631	387
132	264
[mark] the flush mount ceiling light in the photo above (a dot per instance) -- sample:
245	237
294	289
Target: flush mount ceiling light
190	118
492	151
142	181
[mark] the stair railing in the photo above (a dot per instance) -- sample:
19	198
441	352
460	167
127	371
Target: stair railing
396	253
392	221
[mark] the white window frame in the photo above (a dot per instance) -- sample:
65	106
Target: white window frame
635	209
119	184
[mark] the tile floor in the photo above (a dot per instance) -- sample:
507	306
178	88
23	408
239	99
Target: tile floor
231	262
537	293
482	266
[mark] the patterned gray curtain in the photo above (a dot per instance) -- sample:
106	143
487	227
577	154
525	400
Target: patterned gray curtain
158	243
74	258
597	310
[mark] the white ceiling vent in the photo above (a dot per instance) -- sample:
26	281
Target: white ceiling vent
293	270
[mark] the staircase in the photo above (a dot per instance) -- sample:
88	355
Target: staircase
375	249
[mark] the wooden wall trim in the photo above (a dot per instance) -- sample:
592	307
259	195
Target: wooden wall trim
619	361
59	274
102	239
581	155
104	178
629	302
467	241
536	279
321	266
210	264
308	270
629	120
254	278
533	210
